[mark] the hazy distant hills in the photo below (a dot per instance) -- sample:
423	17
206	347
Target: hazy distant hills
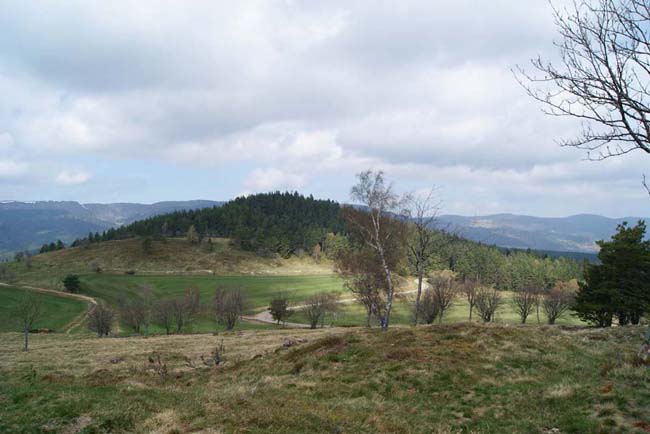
576	233
27	225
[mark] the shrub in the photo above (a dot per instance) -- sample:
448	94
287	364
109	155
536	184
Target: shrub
72	284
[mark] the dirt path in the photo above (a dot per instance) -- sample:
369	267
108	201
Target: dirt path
76	322
265	316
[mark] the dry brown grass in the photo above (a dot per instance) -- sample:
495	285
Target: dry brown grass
174	256
66	355
434	379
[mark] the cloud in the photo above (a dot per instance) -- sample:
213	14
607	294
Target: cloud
68	178
295	95
264	180
12	169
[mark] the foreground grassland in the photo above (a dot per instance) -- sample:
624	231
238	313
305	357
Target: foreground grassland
57	312
441	379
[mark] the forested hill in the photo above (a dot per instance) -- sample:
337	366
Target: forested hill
275	222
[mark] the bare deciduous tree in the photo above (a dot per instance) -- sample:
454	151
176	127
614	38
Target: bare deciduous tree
423	214
603	75
377	227
444	290
101	320
163	314
228	305
186	308
429	308
318	306
557	301
192	303
488	301
280	309
132	312
524	301
468	288
364	278
27	312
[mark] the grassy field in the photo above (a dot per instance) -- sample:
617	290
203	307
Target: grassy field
258	289
175	265
442	379
57	312
170	268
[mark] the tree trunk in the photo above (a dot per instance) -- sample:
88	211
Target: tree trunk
417	297
26	339
389	297
471	307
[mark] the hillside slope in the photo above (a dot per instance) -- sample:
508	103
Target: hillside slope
172	256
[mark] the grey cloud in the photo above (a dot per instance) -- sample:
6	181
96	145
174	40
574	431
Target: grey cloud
296	89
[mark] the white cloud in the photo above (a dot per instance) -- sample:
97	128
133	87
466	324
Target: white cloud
68	178
12	169
263	180
306	92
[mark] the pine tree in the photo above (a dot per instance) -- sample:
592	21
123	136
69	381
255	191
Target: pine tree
619	285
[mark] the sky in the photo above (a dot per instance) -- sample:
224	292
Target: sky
175	100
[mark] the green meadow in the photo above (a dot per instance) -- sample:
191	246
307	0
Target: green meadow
57	312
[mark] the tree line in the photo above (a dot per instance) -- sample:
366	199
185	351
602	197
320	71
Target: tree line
176	314
393	234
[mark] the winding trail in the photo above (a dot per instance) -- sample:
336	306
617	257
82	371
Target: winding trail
265	317
79	319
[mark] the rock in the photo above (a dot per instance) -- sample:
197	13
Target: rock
644	354
289	343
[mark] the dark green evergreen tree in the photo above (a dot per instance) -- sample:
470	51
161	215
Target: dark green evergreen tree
72	283
619	286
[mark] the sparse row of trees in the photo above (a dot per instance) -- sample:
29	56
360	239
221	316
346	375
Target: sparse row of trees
444	290
171	314
392	234
176	314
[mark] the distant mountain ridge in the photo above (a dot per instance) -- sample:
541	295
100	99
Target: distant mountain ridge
577	233
27	225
